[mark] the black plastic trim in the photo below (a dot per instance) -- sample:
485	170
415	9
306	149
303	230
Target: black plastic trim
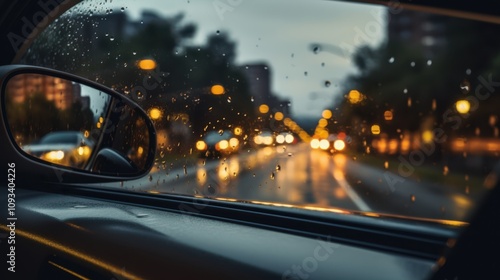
415	239
8	71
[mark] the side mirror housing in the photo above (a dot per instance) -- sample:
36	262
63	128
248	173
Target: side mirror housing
61	128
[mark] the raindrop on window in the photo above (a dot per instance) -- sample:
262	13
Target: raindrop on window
405	91
278	167
465	86
429	62
413	198
272	176
211	189
386	165
468	71
391	60
316	49
412	64
328	83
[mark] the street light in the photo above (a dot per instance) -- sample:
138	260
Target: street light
278	116
327	114
155	113
388	115
217	90
375	129
147	64
355	96
263	108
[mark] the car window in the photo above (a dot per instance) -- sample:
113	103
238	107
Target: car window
384	110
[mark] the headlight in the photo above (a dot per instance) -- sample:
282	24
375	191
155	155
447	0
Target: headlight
234	142
268	140
83	151
201	145
339	145
315	143
324	144
289	138
53	156
257	139
222	145
280	139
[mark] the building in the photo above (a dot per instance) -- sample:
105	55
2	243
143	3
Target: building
60	91
422	30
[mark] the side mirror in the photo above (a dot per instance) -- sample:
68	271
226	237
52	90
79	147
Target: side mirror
60	125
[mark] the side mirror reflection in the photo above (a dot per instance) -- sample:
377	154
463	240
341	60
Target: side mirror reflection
71	124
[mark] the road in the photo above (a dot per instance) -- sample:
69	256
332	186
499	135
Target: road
299	175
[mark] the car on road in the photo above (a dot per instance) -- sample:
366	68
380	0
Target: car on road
264	138
286	138
69	148
218	143
413	85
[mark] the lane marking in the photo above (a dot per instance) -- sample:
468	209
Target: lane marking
339	176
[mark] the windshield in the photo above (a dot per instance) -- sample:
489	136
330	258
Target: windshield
317	104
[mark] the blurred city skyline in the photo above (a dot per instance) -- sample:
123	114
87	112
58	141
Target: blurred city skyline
309	78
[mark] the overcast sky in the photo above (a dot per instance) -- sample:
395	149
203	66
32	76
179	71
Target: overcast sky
281	33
